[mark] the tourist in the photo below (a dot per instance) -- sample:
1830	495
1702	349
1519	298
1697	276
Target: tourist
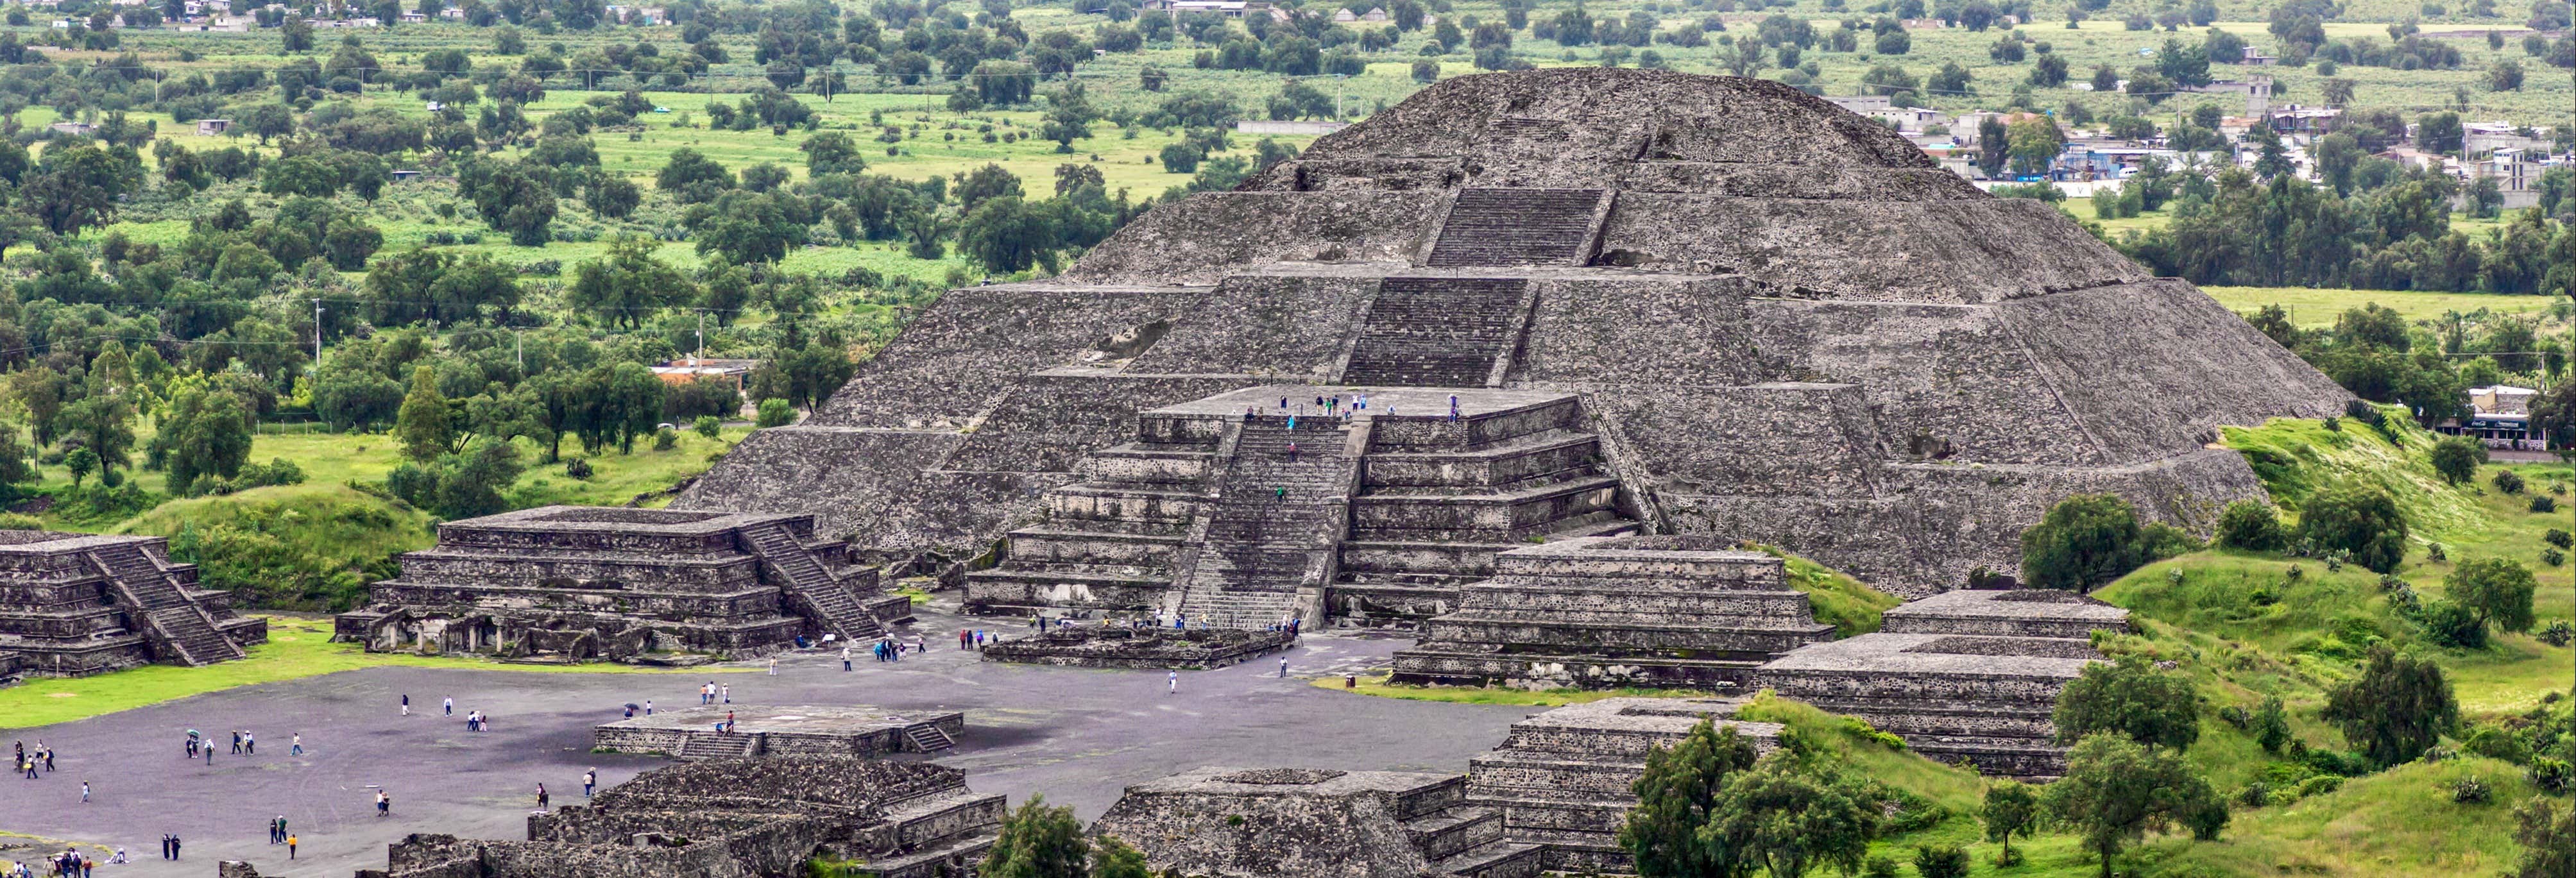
384	804
406	708
541	796
845	658
118	858
648	707
630	711
165	845
295	745
589	782
1453	406
209	750
29	766
447	705
1292	451
174	843
727	688
290	847
237	742
84	792
1175	683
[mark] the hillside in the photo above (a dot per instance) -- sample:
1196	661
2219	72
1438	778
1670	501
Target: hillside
298	547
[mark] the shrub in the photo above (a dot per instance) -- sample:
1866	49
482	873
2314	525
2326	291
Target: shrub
2252	526
2553	557
2559	633
2449	624
2255	795
2435	552
2320	785
2559	538
708	426
2358	518
578	468
2271	725
775	412
1879	867
2508	481
2551	775
666	439
2235	715
2471	791
1940	861
2543	504
2456	458
2085	541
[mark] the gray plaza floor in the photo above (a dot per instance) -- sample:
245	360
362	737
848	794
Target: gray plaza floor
1076	735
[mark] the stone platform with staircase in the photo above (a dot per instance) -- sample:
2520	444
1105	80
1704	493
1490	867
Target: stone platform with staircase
578	583
1561	780
774	730
76	604
1603	612
1255	507
1315	823
1148	647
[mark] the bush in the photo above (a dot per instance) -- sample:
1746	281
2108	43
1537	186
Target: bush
2559	538
2553	557
2251	526
2559	633
1879	867
2471	791
2543	504
2456	458
578	468
775	412
708	426
2319	785
2449	624
2255	795
2551	775
666	439
2358	518
1940	861
2508	481
2085	541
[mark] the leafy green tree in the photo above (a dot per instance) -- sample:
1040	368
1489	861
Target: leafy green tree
775	412
513	200
1676	797
813	372
1779	815
2083	542
104	424
630	286
465	484
2456	459
202	431
1112	858
2250	526
742	228
612	197
832	152
2359	518
2271	725
2398	708
2035	142
2011	809
2132	698
2547	834
1038	841
17	470
2497	589
1007	235
2115	790
81	462
425	426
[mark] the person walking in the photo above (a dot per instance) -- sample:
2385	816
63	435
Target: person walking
447	705
773	671
384	804
1174	682
209	750
250	745
290	847
845	658
406	704
237	742
541	796
648	707
1283	667
589	782
295	745
174	845
728	687
84	792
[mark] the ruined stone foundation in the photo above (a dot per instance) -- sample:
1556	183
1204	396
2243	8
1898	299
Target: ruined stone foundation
77	604
1314	823
1562	779
581	582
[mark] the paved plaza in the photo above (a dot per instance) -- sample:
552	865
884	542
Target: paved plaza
1077	735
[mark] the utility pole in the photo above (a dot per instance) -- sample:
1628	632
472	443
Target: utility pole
702	334
317	336
519	346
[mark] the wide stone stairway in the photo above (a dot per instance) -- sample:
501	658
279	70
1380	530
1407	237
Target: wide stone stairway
1518	227
158	605
1436	331
809	584
1277	514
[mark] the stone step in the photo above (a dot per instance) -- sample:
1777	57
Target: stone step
1498	859
714	745
955	856
1517	227
1435	332
1454	829
1491	517
928	739
1057	545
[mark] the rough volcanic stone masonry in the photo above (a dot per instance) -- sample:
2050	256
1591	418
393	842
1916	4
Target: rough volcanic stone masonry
1964	676
736	818
1314	823
583	582
763	730
1778	320
1154	648
1563	778
78	604
1604	612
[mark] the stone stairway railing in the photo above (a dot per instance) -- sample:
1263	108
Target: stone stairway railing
1518	227
1436	332
169	619
1262	545
809	587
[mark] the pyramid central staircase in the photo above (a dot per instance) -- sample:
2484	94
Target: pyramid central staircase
1379	518
155	603
1437	332
811	588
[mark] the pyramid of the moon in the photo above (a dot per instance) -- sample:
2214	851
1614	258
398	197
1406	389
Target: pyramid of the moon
1656	302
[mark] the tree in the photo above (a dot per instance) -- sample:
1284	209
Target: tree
1007	235
514	200
2271	725
2250	526
613	197
1038	841
2115	790
630	285
2456	459
16	470
2083	542
425	426
103	424
202	431
2035	143
2497	589
2358	518
1994	145
2132	698
832	152
2012	808
81	462
461	485
743	228
1676	796
2547	834
1112	858
2397	709
1788	821
688	166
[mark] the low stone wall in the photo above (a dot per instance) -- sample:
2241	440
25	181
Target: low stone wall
1092	646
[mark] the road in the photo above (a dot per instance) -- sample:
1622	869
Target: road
1077	735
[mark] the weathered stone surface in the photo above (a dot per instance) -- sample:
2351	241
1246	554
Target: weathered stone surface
1313	823
764	730
1562	779
1120	646
75	604
1776	319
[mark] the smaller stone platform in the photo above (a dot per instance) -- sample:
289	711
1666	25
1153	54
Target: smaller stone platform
1109	646
75	604
690	733
1964	676
1314	823
1604	612
1563	778
736	818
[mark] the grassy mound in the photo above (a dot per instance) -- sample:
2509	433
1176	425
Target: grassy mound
299	547
1835	598
2295	457
2399	822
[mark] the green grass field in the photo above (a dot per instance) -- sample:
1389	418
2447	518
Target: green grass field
297	647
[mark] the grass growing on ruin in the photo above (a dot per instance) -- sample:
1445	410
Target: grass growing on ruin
1380	687
1836	599
297	647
